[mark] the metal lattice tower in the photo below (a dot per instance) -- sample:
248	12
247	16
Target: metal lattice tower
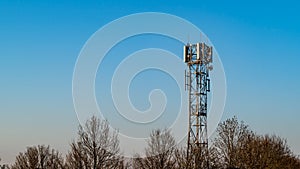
198	58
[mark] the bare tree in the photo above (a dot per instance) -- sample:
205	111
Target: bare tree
4	166
159	153
97	147
77	158
268	152
215	160
236	146
231	135
181	159
40	157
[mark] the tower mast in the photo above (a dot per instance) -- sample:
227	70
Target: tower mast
198	58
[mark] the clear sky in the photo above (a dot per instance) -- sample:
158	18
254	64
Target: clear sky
258	43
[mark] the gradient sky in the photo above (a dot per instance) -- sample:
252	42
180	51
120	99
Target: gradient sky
258	43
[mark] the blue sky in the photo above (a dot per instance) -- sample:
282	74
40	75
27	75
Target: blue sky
258	43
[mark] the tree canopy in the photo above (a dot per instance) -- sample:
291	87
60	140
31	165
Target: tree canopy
235	145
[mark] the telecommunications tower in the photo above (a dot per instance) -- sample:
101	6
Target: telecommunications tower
198	58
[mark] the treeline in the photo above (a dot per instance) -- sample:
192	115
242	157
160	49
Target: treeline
97	147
